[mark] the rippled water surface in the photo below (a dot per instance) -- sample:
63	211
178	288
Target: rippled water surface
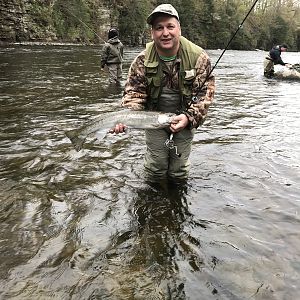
85	225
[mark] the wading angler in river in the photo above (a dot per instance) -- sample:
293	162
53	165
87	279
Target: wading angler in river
112	56
274	58
165	77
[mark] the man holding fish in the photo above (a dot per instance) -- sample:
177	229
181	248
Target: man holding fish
171	75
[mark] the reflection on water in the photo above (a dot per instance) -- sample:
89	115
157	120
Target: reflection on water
86	225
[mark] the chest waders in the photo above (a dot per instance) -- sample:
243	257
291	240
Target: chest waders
268	67
161	161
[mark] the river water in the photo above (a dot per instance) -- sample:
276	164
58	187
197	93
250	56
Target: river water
85	225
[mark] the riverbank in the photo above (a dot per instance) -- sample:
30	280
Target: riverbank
45	43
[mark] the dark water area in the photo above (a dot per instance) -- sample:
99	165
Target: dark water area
86	225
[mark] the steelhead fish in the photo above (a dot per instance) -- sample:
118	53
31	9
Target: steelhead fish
131	118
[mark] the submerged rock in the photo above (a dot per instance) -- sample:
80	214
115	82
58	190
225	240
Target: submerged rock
292	73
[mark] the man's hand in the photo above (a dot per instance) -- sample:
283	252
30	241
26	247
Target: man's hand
119	128
289	66
179	123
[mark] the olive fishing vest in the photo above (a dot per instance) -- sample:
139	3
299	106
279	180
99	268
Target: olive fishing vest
188	55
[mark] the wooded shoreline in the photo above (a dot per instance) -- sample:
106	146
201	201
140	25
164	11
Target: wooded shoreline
209	23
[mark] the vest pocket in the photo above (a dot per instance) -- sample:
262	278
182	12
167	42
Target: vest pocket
189	74
188	78
154	86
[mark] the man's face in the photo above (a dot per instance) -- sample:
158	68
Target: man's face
283	49
165	33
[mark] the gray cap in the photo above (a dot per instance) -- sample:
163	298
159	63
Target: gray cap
167	9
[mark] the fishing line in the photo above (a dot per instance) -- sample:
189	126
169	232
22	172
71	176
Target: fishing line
194	99
83	23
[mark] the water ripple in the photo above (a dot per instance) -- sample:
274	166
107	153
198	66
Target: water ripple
86	225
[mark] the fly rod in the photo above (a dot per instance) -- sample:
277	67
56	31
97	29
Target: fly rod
194	99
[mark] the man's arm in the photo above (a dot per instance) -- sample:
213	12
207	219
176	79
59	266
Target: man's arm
135	94
135	89
197	112
104	55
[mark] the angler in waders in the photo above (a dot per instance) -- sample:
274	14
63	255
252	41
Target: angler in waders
165	77
112	56
274	58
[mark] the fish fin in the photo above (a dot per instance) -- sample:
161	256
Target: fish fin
100	134
76	141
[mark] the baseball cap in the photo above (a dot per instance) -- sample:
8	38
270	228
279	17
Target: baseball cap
167	9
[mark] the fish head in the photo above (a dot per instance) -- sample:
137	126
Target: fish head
165	119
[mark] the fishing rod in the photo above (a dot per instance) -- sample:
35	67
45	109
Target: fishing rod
194	99
84	23
169	142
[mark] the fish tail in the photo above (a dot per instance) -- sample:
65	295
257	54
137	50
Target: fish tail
76	141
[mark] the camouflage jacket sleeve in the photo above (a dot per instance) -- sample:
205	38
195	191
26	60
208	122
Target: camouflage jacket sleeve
204	93
135	95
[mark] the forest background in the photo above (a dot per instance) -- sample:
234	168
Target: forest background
208	23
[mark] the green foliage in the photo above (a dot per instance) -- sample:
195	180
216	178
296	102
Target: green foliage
39	13
279	31
132	24
71	19
209	23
